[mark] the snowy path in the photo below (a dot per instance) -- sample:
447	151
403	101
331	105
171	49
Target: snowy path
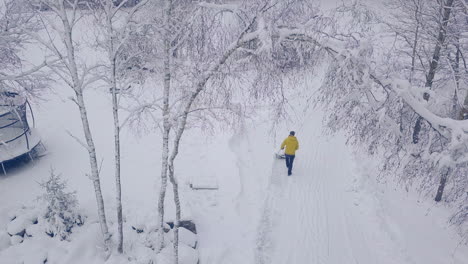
309	217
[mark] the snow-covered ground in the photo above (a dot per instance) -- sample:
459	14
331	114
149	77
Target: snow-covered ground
331	210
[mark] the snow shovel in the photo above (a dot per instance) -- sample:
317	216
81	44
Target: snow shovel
280	154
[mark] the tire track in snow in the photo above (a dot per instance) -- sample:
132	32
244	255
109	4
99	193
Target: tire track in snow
266	226
286	193
311	218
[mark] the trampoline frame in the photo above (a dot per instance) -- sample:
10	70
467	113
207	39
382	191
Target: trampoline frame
18	114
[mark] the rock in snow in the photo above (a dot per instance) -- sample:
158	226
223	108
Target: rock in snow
20	223
15	240
35	231
4	240
168	238
188	238
185	237
36	256
187	255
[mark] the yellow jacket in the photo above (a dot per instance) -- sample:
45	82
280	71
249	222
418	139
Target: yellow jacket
291	144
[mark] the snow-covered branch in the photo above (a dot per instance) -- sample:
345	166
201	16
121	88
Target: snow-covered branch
68	68
6	77
77	140
224	7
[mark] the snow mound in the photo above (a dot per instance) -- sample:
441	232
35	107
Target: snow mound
19	224
35	231
15	240
187	255
142	254
188	238
4	241
35	256
168	238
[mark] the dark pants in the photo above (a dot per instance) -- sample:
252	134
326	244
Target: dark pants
289	162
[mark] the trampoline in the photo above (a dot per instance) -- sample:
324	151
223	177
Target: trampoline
17	137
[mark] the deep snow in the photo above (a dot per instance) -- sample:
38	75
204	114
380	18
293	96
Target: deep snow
331	210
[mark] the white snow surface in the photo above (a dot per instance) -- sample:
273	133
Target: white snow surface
187	255
332	210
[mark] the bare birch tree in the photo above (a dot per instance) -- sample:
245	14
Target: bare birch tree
440	32
117	28
167	15
196	50
446	6
78	77
424	28
17	22
377	93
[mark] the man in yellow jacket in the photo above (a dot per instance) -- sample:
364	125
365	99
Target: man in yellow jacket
291	145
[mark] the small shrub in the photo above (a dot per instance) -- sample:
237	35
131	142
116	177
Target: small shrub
61	207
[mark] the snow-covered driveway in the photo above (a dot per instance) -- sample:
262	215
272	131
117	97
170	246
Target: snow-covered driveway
308	217
321	215
327	212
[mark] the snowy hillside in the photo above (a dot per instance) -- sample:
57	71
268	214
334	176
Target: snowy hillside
335	208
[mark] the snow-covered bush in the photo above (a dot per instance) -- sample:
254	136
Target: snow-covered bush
403	102
17	27
61	207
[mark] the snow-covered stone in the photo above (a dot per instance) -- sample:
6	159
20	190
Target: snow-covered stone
187	237
143	254
166	227
187	255
151	227
35	231
4	240
34	257
12	214
20	223
15	240
139	228
168	238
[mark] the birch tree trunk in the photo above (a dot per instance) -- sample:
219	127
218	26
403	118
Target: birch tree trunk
200	86
166	122
118	186
116	38
77	85
175	189
94	169
115	112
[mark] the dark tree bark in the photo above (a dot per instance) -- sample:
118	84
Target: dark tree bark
443	180
434	62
